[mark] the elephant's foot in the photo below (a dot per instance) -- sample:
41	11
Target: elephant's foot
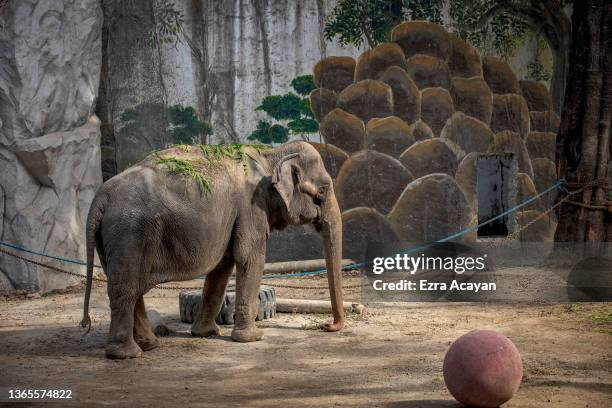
204	329
147	343
120	351
248	334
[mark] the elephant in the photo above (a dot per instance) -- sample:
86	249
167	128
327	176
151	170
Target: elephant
191	211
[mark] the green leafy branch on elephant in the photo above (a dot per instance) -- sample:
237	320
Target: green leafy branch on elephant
291	108
193	167
184	167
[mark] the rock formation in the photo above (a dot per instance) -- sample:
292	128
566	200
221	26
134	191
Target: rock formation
50	55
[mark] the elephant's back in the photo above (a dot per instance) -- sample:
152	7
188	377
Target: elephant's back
168	216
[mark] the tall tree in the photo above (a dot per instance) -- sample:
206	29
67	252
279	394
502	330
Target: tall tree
543	16
584	136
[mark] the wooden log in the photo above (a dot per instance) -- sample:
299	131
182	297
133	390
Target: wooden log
314	306
299	266
157	323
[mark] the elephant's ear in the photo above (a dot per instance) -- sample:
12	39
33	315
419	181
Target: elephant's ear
284	178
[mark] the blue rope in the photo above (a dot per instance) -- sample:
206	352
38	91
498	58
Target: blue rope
58	258
559	184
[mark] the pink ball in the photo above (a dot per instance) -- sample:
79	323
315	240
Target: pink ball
482	368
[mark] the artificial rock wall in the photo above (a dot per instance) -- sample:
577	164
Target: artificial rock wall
231	55
404	124
50	53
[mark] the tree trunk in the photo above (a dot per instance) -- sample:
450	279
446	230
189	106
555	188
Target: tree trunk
582	142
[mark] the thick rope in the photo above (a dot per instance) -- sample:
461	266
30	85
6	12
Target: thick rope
560	184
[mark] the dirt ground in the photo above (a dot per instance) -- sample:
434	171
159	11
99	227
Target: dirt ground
389	357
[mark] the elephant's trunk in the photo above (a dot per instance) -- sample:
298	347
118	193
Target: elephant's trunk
331	232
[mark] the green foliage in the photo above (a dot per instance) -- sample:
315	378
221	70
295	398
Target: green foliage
303	125
354	20
604	317
303	85
184	167
192	167
429	10
291	107
536	69
268	133
282	107
168	24
185	125
508	31
509	34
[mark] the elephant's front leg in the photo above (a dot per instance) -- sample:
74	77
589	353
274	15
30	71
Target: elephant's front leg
248	278
212	300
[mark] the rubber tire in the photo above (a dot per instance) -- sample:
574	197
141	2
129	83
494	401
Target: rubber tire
189	306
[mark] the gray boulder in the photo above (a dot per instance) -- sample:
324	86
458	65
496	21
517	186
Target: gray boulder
430	208
362	226
545	121
367	99
430	156
541	145
334	73
343	130
469	133
322	101
406	95
372	63
428	71
464	60
436	108
371	179
510	112
526	190
294	243
536	94
422	37
544	176
420	131
473	97
499	76
466	178
333	157
389	135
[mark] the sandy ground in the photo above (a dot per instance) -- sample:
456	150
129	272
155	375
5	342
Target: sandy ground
389	357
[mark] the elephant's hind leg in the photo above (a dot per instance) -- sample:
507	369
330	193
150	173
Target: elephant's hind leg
143	335
121	342
204	324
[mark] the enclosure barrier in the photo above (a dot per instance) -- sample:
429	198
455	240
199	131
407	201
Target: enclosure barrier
562	185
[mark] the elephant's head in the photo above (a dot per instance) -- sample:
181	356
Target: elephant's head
304	193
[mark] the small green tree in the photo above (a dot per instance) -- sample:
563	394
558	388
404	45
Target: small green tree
355	20
185	126
291	108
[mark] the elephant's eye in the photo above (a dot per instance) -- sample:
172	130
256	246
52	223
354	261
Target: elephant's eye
321	194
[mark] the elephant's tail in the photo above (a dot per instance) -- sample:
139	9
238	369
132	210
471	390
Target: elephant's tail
94	218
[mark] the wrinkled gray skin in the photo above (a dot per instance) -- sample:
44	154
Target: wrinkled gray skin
149	227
